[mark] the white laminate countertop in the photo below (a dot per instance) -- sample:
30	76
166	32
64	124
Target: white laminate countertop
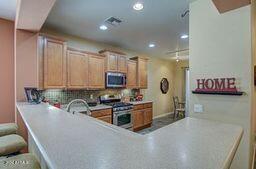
140	102
81	107
70	141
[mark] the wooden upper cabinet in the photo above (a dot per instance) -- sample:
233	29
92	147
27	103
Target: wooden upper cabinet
54	61
96	71
122	64
77	65
114	61
131	82
142	72
111	62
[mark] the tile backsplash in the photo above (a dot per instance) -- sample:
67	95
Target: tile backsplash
65	96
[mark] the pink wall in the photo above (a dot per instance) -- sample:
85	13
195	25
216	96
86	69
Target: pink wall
7	102
26	62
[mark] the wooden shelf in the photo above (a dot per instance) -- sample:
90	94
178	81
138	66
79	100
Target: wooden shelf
218	93
228	5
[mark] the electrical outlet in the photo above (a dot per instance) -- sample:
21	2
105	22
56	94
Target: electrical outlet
198	108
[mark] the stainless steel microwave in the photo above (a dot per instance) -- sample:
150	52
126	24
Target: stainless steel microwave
115	80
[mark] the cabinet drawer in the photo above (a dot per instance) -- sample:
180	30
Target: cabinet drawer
138	107
147	105
107	119
142	106
101	113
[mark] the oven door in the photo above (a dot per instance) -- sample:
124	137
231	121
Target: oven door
123	119
115	80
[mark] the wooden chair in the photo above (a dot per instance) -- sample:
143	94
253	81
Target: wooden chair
179	107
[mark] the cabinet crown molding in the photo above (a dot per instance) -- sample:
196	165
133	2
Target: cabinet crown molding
111	51
139	57
85	52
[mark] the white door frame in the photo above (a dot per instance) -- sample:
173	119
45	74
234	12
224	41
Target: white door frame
187	91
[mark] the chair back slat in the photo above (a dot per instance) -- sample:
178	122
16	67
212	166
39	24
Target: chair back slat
176	102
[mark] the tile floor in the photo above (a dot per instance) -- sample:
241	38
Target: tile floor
158	123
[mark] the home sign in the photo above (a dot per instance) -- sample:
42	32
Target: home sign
219	86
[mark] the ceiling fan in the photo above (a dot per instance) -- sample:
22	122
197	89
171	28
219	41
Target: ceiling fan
184	14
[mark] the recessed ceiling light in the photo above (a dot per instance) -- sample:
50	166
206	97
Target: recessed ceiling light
138	6
103	27
151	45
184	36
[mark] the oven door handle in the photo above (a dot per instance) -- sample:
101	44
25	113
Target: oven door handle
122	113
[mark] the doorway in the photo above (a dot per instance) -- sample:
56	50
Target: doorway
187	91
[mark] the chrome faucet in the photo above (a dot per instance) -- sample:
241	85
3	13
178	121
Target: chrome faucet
82	101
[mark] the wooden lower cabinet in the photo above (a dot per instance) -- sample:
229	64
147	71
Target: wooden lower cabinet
148	116
138	119
107	119
104	115
142	116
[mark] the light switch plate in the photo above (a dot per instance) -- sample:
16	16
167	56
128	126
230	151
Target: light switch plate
198	108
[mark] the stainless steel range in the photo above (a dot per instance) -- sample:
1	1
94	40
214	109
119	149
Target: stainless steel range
122	112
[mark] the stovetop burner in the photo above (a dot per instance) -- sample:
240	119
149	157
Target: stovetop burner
118	104
115	102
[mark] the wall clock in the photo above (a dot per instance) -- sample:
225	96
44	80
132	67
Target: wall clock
164	85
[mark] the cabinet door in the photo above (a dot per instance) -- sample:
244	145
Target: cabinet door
112	62
148	116
122	64
138	119
107	119
77	70
131	82
143	75
54	64
96	72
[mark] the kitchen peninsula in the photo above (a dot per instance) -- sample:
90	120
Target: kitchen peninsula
62	140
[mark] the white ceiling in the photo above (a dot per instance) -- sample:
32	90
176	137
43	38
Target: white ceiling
8	9
159	22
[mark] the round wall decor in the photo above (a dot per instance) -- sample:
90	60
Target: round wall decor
164	85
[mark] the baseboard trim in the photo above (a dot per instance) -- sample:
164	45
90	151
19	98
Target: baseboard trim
162	115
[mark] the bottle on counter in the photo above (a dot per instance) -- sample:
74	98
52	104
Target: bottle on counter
56	104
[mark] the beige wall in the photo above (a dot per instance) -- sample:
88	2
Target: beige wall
157	68
26	72
7	71
180	68
220	46
254	61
